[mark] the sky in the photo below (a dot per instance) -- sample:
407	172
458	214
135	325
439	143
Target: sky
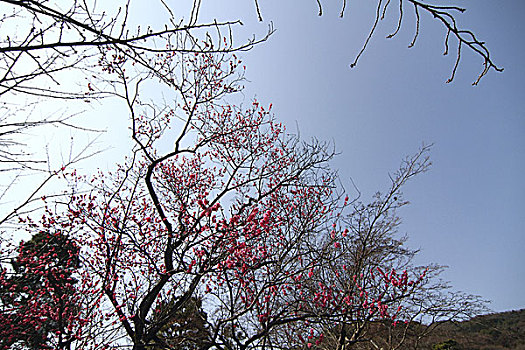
468	211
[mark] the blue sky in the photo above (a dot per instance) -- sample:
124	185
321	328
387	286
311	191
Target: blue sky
468	211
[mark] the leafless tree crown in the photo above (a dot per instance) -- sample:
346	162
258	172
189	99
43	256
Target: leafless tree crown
447	15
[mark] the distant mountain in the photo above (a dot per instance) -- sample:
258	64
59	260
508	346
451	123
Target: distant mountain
504	330
498	331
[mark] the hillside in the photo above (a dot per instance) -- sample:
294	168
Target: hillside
505	330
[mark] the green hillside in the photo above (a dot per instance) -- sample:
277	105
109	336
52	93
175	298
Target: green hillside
505	330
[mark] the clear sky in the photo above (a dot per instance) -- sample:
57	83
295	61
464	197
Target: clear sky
468	211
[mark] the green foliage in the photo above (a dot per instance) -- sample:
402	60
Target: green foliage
447	345
186	328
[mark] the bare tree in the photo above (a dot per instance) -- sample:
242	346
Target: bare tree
63	50
446	15
373	267
52	37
